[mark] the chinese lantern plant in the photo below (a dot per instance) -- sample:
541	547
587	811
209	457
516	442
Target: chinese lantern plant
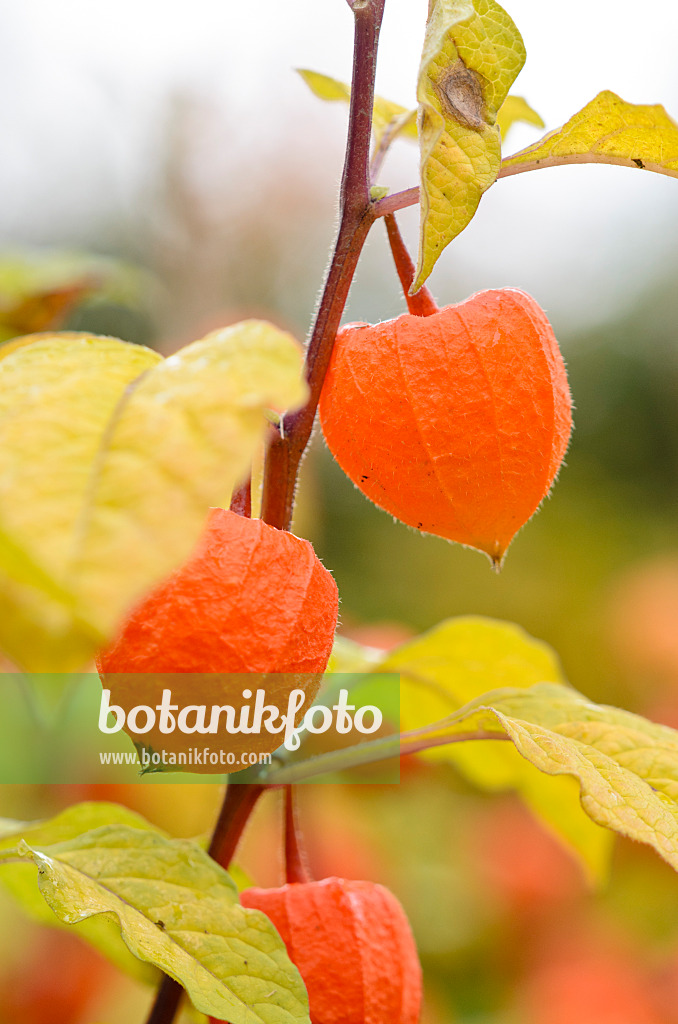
252	606
350	940
353	946
455	420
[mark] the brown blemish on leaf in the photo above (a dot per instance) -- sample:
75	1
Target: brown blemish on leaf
461	96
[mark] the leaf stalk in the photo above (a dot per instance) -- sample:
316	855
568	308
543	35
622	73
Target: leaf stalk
422	302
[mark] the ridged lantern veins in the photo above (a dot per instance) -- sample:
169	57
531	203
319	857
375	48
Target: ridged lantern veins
251	607
456	423
352	944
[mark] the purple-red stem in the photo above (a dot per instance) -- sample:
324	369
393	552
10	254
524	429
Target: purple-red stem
166	1003
241	499
296	861
410	196
289	443
238	804
422	302
395	202
356	217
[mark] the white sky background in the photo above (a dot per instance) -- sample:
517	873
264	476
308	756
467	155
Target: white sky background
84	83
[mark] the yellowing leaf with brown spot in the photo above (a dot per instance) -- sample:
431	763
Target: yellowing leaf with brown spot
471	57
400	121
607	131
109	460
458	661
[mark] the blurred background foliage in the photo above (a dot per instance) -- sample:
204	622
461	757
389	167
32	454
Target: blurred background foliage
507	929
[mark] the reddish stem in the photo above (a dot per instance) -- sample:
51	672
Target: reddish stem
241	500
410	196
356	217
296	861
422	302
238	804
397	201
166	1002
236	809
288	444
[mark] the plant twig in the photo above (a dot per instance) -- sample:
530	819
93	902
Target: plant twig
410	196
356	217
288	444
569	159
395	202
237	806
166	1003
368	753
241	500
390	133
422	302
296	861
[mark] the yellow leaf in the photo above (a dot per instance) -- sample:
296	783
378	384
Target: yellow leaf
461	658
350	656
394	119
513	110
608	131
324	87
201	422
7	347
386	115
626	766
57	396
457	662
18	878
109	460
472	54
176	908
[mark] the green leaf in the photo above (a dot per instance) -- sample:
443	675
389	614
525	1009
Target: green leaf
178	909
459	661
471	57
109	460
516	109
608	131
18	878
626	766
